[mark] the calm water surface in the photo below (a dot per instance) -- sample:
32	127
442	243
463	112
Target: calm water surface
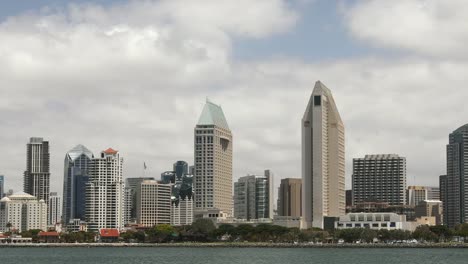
230	255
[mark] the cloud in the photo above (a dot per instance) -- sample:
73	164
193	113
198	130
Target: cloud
424	27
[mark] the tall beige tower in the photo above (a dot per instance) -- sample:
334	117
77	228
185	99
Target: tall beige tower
323	159
213	161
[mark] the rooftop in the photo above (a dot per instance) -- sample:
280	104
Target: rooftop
213	114
79	150
110	151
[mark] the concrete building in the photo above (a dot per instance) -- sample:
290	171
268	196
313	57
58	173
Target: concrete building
2	186
253	197
130	196
153	203
323	159
213	161
376	221
75	179
456	182
443	196
349	198
290	197
379	178
416	194
430	208
105	192
433	193
54	214
37	174
24	212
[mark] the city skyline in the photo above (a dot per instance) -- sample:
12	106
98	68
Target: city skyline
378	88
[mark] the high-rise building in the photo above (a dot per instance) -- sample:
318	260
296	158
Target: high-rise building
433	193
253	197
24	212
181	168
54	214
323	159
456	182
430	208
290	197
349	198
416	194
2	186
153	203
37	174
213	161
105	192
130	193
443	196
75	179
379	178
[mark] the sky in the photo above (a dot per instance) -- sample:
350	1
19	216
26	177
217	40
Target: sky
134	76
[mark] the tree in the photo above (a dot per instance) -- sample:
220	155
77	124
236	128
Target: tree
161	233
424	233
202	229
349	235
442	232
462	230
368	235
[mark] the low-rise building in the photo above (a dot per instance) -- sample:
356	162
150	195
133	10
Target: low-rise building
377	221
108	235
287	221
49	237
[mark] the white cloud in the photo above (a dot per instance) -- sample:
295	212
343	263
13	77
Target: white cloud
425	27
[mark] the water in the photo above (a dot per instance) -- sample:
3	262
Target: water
231	255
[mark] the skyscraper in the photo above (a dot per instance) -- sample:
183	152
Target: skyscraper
54	209
253	197
153	203
2	186
380	178
455	186
323	159
75	179
213	161
416	194
105	191
37	174
131	188
290	197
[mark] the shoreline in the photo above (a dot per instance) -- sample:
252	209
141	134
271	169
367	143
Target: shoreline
234	245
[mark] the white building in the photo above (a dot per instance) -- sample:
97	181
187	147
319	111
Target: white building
323	159
153	203
105	192
389	221
213	161
253	197
24	212
54	214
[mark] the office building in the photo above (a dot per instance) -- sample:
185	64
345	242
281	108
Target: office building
54	214
430	208
379	178
349	198
455	184
443	196
416	194
24	212
213	161
433	193
253	197
105	192
130	196
2	186
323	159
290	197
37	174
153	203
75	179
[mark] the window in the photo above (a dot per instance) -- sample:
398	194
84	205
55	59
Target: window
317	100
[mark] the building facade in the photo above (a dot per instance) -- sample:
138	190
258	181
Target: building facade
323	159
37	175
430	208
54	214
380	178
23	212
153	203
75	179
213	161
377	221
253	197
455	185
290	197
416	194
130	196
105	192
2	186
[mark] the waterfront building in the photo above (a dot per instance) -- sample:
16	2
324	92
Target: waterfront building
153	203
2	186
253	197
75	179
213	161
430	208
105	192
130	193
380	178
37	175
456	181
323	159
376	221
23	212
290	198
54	214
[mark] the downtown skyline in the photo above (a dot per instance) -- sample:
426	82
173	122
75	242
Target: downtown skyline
387	104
